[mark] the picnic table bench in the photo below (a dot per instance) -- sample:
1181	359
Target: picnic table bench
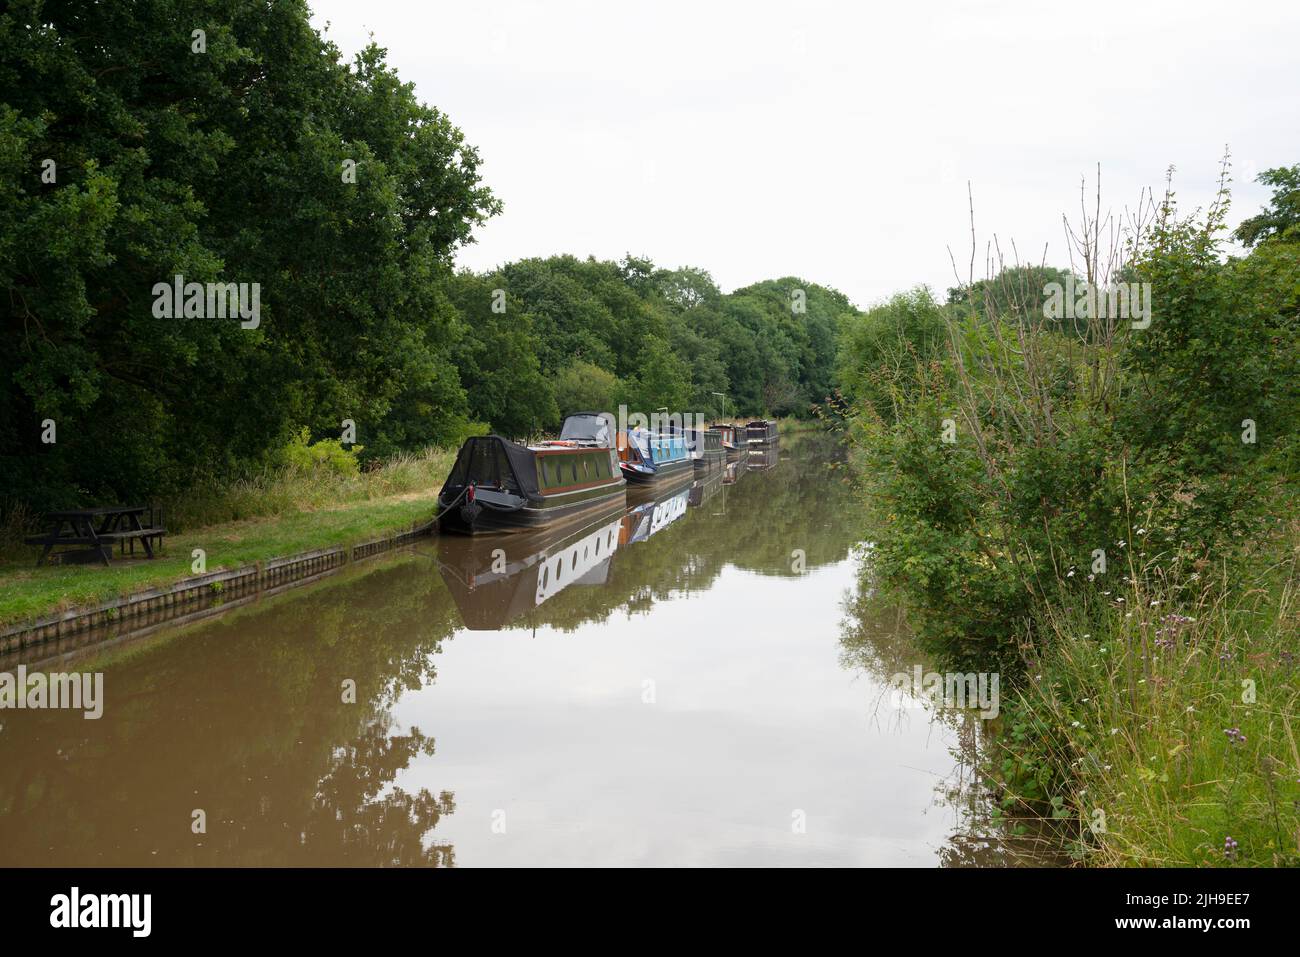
94	530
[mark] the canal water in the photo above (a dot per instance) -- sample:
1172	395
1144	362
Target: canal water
693	679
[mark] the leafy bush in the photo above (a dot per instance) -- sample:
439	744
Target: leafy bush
327	455
1079	458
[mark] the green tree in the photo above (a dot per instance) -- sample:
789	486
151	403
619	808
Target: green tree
1281	218
222	164
498	363
584	387
883	352
661	381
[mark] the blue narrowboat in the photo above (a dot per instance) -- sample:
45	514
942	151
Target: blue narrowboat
647	457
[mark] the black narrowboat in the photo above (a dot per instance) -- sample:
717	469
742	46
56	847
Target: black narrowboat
500	485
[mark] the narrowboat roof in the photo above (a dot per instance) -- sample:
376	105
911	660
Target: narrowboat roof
591	427
502	457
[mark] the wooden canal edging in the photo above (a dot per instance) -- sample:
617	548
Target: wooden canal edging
191	599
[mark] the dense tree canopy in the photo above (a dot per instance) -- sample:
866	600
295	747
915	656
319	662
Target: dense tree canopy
134	149
649	337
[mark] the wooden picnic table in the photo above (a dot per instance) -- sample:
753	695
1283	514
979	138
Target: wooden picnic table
96	529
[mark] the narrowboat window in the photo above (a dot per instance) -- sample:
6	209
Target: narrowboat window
573	466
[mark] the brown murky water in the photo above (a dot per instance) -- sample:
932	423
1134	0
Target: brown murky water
692	679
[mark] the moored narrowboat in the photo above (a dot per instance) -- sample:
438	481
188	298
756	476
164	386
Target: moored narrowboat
761	432
735	440
500	485
647	457
706	448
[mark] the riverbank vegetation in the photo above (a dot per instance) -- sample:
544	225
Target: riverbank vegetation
1094	507
321	499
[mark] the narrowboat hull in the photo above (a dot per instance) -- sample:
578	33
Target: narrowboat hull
735	440
478	518
710	459
640	475
707	449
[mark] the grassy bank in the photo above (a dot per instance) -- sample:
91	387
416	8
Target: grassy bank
272	515
1166	731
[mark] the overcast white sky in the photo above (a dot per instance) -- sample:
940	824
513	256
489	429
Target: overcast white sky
833	141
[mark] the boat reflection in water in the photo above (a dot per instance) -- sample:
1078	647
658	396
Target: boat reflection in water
734	470
649	518
707	488
495	581
763	457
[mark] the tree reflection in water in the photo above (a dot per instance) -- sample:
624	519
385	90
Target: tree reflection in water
244	718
